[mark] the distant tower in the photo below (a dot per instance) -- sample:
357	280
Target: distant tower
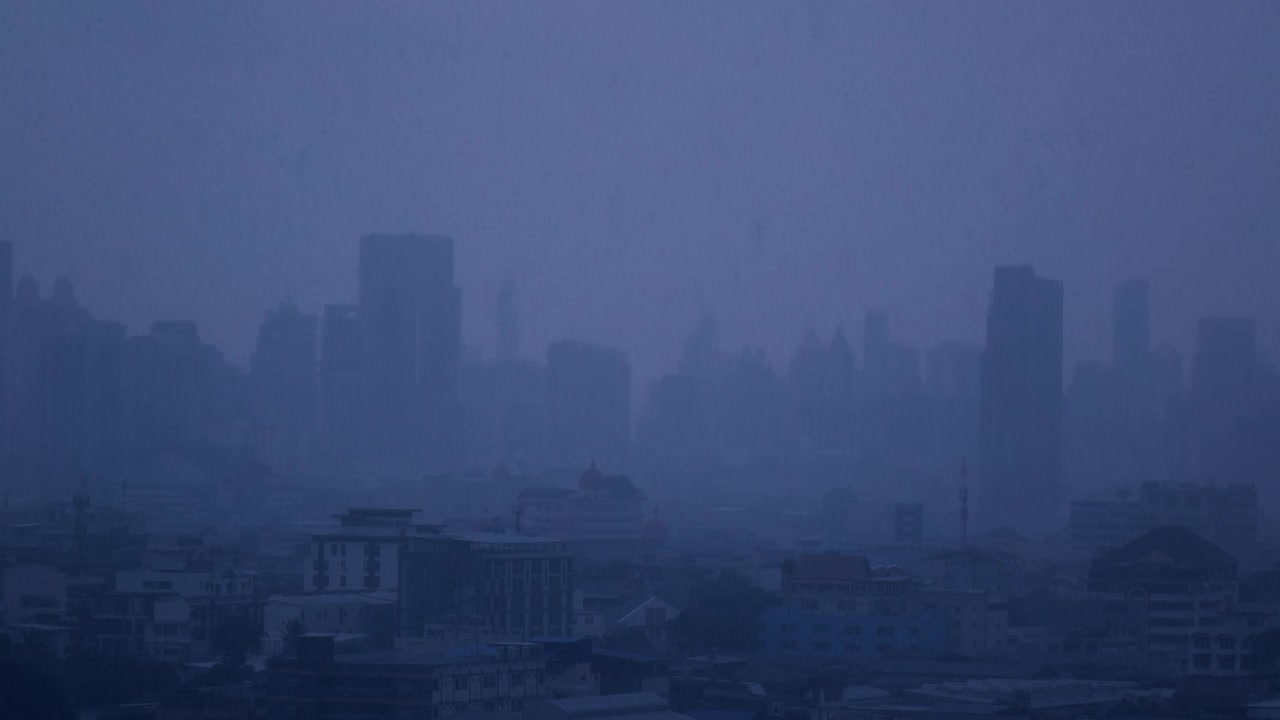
1224	398
6	275
589	403
339	388
1131	326
1020	432
411	336
508	323
282	374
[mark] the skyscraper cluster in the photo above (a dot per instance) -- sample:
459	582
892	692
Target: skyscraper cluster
376	387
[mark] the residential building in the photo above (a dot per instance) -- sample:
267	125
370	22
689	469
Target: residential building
514	586
363	553
320	683
838	606
1187	585
1227	515
368	614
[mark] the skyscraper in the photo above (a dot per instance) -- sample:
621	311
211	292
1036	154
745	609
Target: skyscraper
282	373
1020	441
411	337
1224	403
1131	326
6	277
6	308
508	324
340	386
589	398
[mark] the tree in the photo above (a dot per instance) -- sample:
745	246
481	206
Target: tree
233	640
724	615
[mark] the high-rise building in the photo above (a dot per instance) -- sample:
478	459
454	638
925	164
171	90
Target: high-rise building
1223	445
178	389
508	324
411	332
589	397
1131	325
1021	404
282	373
952	370
6	307
339	411
6	276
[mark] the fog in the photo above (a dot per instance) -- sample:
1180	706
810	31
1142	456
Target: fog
783	165
538	360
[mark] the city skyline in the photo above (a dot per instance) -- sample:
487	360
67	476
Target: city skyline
922	146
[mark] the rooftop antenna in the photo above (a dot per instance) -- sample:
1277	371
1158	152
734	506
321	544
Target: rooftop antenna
964	502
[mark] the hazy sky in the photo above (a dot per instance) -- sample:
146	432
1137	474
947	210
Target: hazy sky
785	164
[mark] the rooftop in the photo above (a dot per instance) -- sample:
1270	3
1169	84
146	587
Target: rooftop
382	598
835	568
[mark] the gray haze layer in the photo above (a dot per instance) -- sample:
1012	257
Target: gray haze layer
784	164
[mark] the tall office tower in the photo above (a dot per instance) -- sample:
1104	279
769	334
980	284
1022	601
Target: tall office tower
340	387
508	324
1131	325
952	371
6	277
1224	402
875	344
282	375
411	338
83	396
589	403
6	306
1020	417
169	386
31	324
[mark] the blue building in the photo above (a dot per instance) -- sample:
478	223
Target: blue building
807	633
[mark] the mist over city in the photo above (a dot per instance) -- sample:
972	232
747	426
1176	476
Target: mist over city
748	360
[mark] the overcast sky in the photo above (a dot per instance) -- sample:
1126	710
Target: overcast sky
785	165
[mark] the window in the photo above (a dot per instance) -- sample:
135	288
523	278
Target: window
821	629
852	629
1226	662
884	631
790	628
853	647
460	683
821	646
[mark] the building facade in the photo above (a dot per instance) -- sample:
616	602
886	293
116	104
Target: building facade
1020	434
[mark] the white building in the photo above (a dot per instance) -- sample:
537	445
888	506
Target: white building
361	554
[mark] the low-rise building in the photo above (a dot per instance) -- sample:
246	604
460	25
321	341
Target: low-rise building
1226	515
838	606
371	614
362	553
318	683
514	586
